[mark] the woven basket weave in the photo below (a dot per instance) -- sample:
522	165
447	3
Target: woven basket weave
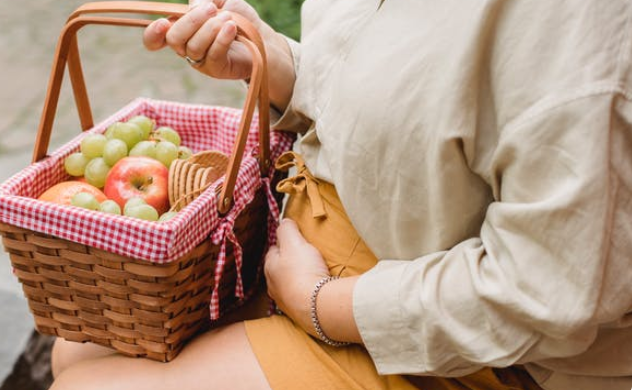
83	294
139	307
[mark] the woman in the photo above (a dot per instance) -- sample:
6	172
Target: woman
465	167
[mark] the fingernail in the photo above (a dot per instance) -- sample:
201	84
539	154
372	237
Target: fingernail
161	25
211	9
230	27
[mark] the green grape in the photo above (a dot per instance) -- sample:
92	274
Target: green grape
85	200
109	133
167	216
143	211
144	123
133	202
96	172
166	152
184	152
92	145
168	134
75	164
129	133
144	148
111	207
113	151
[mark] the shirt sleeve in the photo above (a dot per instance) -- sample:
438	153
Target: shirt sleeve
552	261
291	119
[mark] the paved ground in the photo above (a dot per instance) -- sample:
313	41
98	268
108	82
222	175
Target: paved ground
117	69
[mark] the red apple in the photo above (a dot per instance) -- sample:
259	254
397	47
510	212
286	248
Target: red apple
138	176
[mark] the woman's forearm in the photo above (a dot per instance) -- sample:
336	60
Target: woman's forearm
335	310
281	71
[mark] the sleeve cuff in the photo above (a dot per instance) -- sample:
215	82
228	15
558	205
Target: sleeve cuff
377	309
295	51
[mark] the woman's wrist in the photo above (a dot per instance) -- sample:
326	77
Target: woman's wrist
314	313
333	309
281	71
336	312
300	305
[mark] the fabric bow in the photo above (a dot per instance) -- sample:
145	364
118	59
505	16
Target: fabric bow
302	181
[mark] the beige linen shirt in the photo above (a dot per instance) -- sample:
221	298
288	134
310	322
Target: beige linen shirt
483	151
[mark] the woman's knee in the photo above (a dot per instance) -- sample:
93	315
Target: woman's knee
59	357
113	372
65	354
65	380
221	359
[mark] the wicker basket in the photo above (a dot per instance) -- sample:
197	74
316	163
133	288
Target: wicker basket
139	306
84	294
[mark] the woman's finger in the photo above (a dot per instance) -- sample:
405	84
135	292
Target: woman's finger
272	254
186	27
202	40
154	34
288	234
196	3
219	3
219	50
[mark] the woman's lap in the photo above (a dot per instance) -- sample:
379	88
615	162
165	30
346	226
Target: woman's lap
219	359
280	344
274	350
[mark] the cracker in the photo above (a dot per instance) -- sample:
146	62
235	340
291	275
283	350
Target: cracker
171	180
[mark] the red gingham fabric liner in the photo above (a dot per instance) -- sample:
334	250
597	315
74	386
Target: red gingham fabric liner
201	128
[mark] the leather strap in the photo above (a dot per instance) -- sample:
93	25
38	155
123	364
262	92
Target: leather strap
67	53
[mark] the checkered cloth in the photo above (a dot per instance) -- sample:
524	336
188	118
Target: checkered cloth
201	128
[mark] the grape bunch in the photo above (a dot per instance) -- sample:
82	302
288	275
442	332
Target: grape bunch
136	137
135	207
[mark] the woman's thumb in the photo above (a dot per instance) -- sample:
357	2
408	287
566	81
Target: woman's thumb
154	34
288	234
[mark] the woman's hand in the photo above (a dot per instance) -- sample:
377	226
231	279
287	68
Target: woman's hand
292	269
206	34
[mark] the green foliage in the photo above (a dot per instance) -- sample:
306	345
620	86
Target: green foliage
282	15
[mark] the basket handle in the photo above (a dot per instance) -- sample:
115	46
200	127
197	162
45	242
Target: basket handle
67	53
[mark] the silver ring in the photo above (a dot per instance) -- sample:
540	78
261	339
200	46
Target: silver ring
193	62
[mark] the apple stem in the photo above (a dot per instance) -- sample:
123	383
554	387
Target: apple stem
147	183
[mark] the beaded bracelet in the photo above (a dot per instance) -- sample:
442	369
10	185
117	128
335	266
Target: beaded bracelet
313	313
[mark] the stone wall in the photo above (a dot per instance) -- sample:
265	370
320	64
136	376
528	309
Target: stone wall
32	370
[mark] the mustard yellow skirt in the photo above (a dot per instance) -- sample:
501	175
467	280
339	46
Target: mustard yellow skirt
293	360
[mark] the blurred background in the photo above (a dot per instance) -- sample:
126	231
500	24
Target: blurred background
117	69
